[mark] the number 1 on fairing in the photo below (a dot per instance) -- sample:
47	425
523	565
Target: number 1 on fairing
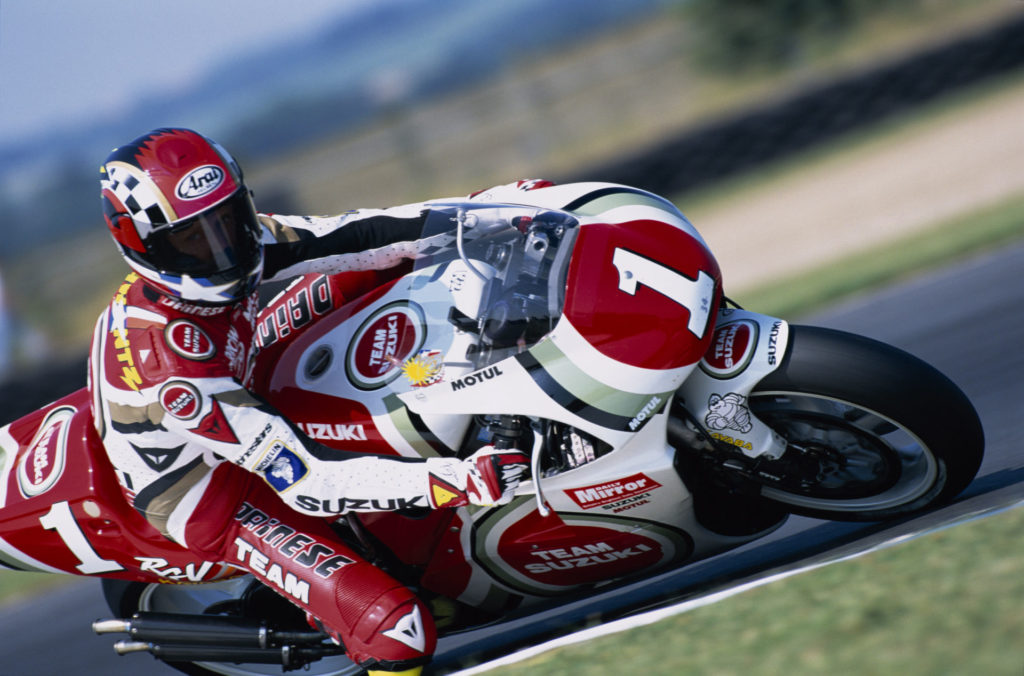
61	519
695	295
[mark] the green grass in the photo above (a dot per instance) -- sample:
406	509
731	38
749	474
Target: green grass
17	585
951	602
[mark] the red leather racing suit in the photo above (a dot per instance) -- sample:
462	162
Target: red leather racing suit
169	399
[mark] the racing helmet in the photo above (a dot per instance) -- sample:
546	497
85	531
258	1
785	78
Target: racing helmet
182	217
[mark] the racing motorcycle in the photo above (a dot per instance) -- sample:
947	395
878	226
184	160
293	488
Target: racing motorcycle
664	423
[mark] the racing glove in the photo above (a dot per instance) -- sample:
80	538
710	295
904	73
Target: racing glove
488	477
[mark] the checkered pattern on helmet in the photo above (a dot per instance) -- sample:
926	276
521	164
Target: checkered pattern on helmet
139	198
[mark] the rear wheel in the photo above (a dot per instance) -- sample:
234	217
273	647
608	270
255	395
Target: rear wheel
873	432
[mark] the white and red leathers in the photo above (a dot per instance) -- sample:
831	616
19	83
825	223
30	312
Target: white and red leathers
209	464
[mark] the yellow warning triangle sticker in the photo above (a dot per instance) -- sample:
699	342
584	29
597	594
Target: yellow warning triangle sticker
442	496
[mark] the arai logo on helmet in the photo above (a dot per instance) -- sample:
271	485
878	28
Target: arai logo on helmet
200	181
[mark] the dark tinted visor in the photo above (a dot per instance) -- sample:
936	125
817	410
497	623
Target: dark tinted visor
222	240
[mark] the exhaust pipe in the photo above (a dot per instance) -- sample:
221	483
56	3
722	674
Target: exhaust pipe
214	638
126	647
111	626
195	629
286	656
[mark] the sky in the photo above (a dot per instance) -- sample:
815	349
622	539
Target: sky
64	62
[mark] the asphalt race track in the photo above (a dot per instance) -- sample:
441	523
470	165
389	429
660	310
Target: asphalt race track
967	319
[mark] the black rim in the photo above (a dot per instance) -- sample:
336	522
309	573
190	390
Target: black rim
828	457
849	457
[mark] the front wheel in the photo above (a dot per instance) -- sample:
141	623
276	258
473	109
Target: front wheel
873	432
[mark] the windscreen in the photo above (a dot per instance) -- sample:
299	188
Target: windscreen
513	258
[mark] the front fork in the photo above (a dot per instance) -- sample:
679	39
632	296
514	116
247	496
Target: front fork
745	348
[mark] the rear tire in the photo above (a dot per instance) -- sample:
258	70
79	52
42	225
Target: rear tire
891	434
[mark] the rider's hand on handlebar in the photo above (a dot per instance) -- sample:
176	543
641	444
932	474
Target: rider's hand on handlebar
488	477
493	475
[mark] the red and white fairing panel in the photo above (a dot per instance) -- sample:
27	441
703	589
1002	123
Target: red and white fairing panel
61	509
641	298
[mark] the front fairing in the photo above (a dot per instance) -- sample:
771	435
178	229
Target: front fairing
491	298
537	325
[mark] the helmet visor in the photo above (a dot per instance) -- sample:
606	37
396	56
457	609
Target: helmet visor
219	244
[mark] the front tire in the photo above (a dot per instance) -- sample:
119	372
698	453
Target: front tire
884	433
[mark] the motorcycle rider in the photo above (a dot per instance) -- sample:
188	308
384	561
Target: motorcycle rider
207	462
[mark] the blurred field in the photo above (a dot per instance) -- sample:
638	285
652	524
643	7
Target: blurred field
900	258
558	113
555	114
550	117
917	190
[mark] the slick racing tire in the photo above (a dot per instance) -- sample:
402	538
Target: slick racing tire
127	598
878	432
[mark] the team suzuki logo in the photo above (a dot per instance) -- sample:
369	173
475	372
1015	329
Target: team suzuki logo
188	340
570	558
43	463
732	348
200	181
180	399
383	343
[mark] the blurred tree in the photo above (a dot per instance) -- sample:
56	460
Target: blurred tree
742	35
